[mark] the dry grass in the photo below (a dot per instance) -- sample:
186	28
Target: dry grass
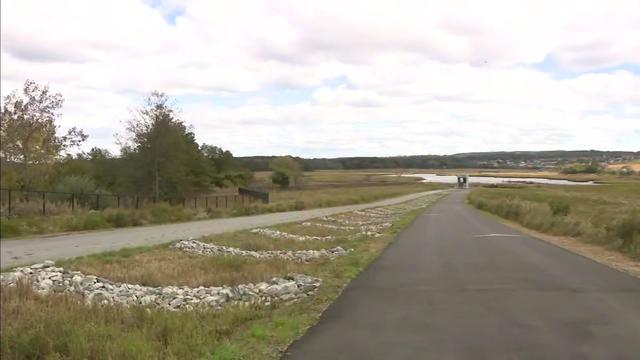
61	327
336	196
635	166
249	241
340	178
608	215
162	266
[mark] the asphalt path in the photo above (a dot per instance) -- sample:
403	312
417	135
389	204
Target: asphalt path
458	285
31	250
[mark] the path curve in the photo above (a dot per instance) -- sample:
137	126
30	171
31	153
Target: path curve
453	286
28	251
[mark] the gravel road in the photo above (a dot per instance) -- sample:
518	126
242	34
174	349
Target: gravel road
31	250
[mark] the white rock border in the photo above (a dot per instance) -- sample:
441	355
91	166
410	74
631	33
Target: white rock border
276	234
46	278
197	247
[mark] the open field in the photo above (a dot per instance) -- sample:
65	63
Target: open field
341	178
635	166
608	215
327	178
282	200
60	326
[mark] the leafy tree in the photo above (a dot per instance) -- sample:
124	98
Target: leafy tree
281	179
99	164
29	132
286	171
225	170
162	154
78	184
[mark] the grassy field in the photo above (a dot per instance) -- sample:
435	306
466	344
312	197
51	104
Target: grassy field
35	327
282	200
635	166
341	178
608	215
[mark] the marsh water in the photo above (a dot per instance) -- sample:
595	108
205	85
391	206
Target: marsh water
452	179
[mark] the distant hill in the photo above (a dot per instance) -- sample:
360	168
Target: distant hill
487	160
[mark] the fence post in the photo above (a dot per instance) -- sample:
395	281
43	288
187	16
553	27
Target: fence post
206	202
73	202
118	202
195	202
226	201
9	191
97	201
217	202
137	201
184	202
44	204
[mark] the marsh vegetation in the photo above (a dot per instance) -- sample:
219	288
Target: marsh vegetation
607	214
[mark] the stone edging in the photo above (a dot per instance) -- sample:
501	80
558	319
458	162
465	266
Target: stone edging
46	278
276	234
200	248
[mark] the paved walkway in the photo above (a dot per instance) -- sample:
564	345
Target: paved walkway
28	251
458	285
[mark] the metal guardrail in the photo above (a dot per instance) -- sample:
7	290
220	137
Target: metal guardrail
12	200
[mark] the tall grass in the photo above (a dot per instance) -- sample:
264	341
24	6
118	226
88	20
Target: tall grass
91	220
608	214
57	327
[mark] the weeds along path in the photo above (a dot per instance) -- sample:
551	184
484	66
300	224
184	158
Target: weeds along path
27	251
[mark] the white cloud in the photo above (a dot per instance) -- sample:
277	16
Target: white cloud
412	76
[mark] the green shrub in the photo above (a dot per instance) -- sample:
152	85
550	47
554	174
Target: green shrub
280	178
216	213
94	220
628	230
118	218
10	227
165	213
559	207
299	205
480	204
78	184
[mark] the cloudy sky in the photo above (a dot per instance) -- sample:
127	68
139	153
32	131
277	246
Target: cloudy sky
341	78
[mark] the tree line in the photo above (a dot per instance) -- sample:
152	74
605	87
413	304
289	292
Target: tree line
159	155
488	160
